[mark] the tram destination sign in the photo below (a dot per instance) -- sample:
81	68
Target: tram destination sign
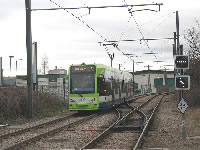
84	69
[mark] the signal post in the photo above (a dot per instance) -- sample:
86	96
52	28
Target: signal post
182	82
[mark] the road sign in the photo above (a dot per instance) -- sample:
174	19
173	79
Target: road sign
182	106
181	61
182	82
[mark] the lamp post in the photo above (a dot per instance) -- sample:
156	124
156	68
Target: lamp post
10	61
17	63
148	83
165	73
131	55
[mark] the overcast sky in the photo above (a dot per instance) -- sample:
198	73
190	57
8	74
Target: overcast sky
66	40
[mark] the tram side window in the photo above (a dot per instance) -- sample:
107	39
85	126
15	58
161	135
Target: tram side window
103	87
126	88
116	87
108	88
122	87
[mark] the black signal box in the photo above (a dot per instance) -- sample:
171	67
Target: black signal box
182	82
181	61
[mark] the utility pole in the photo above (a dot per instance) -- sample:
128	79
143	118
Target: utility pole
16	66
133	78
148	84
177	32
180	92
10	61
175	70
148	79
174	51
180	98
29	108
111	57
17	63
165	76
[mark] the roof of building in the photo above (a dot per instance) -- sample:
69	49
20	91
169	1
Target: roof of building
152	72
52	77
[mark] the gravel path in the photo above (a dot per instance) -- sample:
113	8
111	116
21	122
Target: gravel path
166	129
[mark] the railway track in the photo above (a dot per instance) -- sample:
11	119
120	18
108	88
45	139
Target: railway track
73	137
16	139
82	128
128	132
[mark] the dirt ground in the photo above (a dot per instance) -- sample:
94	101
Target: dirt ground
166	130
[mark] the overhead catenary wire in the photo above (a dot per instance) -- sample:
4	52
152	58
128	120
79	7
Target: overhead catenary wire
95	7
131	16
122	34
87	7
79	18
143	39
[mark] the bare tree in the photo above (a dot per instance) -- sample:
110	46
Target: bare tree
192	36
44	64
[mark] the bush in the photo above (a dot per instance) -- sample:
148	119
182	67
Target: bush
13	104
193	97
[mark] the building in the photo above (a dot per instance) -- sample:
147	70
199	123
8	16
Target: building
9	81
155	81
55	82
57	71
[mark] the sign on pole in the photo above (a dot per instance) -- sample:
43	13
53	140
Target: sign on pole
181	61
34	61
182	82
182	106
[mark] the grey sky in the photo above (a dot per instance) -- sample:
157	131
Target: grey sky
65	40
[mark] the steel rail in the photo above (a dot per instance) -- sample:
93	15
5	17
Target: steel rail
142	113
147	124
128	114
37	137
92	142
103	133
20	131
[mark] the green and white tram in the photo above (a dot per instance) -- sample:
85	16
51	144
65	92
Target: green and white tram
97	87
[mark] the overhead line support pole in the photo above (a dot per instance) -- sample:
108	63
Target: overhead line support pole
29	102
1	72
177	32
175	70
180	95
133	78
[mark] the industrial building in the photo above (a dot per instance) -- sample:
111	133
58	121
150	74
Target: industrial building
55	82
155	81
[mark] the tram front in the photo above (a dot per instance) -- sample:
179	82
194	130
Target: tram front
82	91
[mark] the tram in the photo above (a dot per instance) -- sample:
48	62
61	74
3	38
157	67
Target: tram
97	87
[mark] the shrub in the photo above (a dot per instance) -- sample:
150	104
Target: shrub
13	104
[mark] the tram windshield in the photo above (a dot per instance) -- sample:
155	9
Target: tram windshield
83	83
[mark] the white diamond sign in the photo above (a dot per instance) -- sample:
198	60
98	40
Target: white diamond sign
182	105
